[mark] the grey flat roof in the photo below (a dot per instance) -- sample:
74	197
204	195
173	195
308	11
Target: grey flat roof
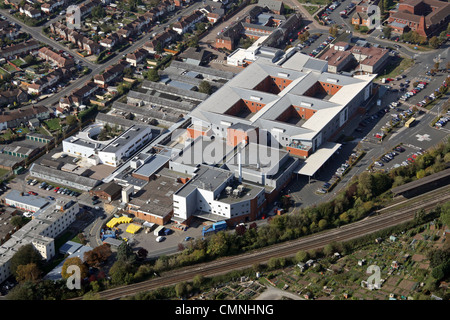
28	199
206	177
159	101
203	70
111	119
172	90
58	174
125	137
146	111
181	85
150	167
70	247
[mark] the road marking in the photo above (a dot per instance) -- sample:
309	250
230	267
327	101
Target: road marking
423	137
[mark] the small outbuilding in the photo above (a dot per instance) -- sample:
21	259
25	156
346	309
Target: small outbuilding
108	191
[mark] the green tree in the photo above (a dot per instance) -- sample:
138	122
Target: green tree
323	223
218	244
125	253
333	31
198	280
152	75
98	12
387	32
30	59
25	255
23	291
301	256
192	42
445	214
328	250
181	289
434	42
205	87
18	221
121	272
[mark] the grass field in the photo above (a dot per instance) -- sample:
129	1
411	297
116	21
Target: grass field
395	69
311	9
53	124
321	2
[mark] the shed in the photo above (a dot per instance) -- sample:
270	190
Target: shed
108	191
70	247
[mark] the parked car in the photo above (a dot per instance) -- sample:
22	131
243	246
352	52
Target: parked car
160	239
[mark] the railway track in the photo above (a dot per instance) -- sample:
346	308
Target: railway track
286	249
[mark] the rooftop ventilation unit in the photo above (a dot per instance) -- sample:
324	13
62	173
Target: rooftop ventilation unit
255	98
306	104
331	80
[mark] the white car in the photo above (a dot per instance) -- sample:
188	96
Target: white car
160	239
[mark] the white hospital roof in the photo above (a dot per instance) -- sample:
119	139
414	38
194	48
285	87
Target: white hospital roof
315	161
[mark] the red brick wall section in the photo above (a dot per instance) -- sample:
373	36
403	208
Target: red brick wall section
234	137
298	152
195	133
330	88
253	106
227	44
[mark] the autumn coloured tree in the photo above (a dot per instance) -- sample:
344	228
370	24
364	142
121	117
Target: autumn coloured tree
28	272
98	255
74	261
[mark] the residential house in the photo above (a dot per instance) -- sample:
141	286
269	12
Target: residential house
19	49
77	97
30	11
49	55
136	57
188	22
18	117
10	96
48	81
110	74
110	41
162	39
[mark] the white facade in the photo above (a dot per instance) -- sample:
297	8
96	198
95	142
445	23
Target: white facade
110	152
206	194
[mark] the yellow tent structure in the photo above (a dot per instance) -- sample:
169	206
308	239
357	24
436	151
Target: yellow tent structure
133	228
115	221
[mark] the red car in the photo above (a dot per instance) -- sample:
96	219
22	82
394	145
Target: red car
56	189
410	159
32	193
414	156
